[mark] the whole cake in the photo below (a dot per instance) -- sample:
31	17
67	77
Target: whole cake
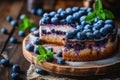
81	40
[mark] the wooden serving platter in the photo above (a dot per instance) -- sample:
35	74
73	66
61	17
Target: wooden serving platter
89	68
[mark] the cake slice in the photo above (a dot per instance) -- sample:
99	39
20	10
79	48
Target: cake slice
53	34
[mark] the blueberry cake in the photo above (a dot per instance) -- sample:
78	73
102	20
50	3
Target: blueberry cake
81	41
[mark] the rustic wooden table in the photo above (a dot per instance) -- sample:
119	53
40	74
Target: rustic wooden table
14	51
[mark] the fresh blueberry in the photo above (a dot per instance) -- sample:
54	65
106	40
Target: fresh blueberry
29	47
49	49
39	11
21	33
89	10
36	33
83	9
8	18
75	31
76	16
109	22
4	62
96	19
98	25
15	75
4	31
97	34
89	35
59	53
101	22
49	59
45	20
13	40
33	29
87	30
46	15
69	35
63	14
103	31
14	23
94	29
79	27
57	16
69	19
109	27
61	61
59	10
52	14
69	11
88	27
82	13
83	23
82	18
36	51
63	21
33	11
39	71
22	16
81	36
37	41
75	9
54	20
15	68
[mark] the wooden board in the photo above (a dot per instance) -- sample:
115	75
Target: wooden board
99	67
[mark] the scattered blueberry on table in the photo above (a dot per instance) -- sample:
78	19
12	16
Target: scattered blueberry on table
29	47
36	51
8	18
22	16
13	40
36	33
49	49
4	31
4	62
15	68
37	41
33	29
14	23
15	75
61	61
39	71
21	33
33	11
49	59
59	53
39	11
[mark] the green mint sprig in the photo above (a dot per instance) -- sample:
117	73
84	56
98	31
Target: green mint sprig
44	54
99	12
26	24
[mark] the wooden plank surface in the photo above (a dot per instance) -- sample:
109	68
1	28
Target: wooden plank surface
14	51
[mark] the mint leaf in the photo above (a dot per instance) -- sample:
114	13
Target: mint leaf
98	6
101	15
108	14
90	17
26	24
39	58
44	54
42	50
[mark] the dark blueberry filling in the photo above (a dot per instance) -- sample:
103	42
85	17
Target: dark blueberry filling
53	31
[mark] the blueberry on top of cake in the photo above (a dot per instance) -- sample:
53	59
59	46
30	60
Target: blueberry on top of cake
85	33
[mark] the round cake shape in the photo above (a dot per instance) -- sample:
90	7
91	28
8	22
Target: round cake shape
81	40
